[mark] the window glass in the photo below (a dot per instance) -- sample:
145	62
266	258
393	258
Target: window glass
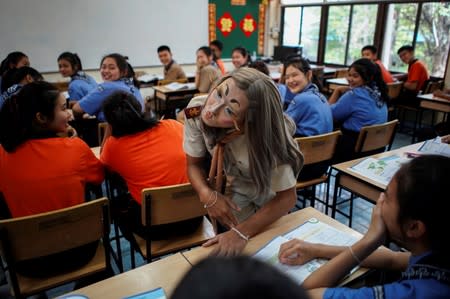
362	31
337	31
291	29
310	31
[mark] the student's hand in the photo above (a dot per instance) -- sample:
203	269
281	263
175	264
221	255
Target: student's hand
199	66
228	244
446	139
71	132
377	229
296	252
222	210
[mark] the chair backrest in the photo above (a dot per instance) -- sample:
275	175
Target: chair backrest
432	86
318	148
376	136
56	231
165	81
394	89
341	73
168	204
101	131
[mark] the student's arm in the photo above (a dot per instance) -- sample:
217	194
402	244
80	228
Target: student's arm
77	110
230	243
337	93
329	274
410	85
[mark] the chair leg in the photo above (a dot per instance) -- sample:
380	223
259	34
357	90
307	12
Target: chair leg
313	196
327	202
352	196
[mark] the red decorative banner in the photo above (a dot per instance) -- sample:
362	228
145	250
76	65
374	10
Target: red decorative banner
248	25
261	27
226	24
212	21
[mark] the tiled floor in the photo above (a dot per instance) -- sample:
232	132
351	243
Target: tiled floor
362	210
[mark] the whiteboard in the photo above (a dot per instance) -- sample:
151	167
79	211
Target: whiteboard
43	29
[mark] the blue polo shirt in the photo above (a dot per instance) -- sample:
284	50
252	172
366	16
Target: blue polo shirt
310	111
359	107
9	93
80	85
403	289
93	101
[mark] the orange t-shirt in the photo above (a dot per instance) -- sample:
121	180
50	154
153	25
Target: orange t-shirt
387	76
221	66
43	175
151	158
417	72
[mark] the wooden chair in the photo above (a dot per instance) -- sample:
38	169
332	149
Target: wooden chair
101	129
341	73
53	232
394	90
371	140
170	204
317	149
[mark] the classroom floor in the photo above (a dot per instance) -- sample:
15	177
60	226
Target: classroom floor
362	210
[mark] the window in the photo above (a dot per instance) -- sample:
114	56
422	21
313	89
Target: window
399	31
291	30
362	30
309	37
433	39
337	33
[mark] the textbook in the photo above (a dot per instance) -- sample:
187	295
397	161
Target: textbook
313	231
436	147
152	294
379	170
179	86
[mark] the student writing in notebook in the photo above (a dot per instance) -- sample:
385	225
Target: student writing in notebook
80	84
241	124
172	70
413	212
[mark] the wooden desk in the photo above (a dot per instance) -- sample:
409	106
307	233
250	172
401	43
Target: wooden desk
334	83
280	227
165	273
163	94
362	186
429	101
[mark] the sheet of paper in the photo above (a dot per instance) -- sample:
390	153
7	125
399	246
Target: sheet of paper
435	147
312	231
153	294
179	86
379	170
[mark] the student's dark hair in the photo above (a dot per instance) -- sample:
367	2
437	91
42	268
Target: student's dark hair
17	117
123	112
303	66
405	48
370	72
422	193
132	75
14	76
163	48
12	58
73	59
244	52
217	43
205	49
121	62
237	277
371	48
260	66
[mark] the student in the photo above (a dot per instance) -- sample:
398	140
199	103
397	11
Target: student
13	60
40	172
362	103
415	79
15	79
81	84
370	52
309	108
404	216
172	70
260	66
145	152
216	48
242	122
240	57
239	278
114	71
206	74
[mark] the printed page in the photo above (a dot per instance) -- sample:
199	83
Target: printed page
379	170
435	147
312	231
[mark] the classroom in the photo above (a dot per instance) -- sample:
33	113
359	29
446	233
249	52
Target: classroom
224	149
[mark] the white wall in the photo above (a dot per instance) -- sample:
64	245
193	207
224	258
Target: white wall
92	28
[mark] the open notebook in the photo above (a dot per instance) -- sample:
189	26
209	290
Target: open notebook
313	231
179	86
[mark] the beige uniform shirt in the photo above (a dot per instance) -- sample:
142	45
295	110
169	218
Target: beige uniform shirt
208	76
236	165
175	72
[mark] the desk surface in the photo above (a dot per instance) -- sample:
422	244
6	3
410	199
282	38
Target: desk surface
162	88
279	227
337	81
431	97
345	167
165	273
